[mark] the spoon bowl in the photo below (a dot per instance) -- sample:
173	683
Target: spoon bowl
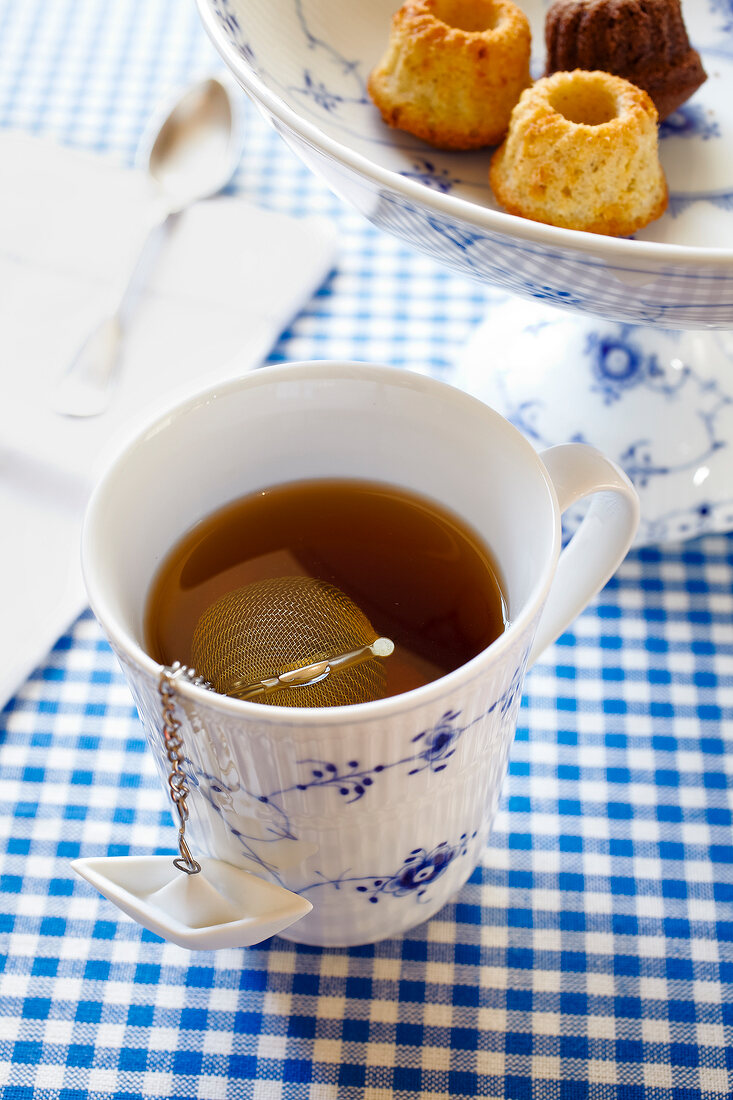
191	148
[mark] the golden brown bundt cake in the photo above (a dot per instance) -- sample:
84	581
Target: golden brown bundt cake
644	41
453	70
581	153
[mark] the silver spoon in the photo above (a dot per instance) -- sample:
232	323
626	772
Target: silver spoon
190	152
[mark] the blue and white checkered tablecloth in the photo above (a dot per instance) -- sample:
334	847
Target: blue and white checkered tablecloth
591	953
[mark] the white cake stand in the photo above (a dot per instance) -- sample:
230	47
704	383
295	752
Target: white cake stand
625	343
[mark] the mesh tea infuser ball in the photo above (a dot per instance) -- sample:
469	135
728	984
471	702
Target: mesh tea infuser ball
290	641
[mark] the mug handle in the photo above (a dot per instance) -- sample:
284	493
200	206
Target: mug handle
601	542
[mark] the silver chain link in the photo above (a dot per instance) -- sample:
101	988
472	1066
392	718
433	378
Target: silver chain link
173	743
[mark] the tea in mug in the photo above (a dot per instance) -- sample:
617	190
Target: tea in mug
419	574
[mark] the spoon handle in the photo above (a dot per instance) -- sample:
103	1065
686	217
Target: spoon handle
86	386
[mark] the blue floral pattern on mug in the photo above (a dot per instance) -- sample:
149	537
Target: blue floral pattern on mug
437	744
419	869
259	822
352	781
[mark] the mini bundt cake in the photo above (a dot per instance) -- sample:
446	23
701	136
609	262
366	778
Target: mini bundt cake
644	41
582	153
453	70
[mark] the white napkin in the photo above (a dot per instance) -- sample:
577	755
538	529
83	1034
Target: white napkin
226	280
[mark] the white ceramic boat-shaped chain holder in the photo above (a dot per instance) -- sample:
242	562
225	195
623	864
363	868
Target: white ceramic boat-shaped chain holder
202	908
225	907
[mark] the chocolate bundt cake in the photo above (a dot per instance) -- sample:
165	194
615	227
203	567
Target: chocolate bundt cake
453	70
582	153
645	41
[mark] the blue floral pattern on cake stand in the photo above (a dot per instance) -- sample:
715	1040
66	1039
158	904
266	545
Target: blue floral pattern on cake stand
307	63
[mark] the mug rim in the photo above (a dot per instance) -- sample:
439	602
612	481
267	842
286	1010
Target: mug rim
126	644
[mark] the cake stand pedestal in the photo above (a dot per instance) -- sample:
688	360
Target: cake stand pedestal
657	401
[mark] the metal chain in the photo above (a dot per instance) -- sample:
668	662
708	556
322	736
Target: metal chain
177	782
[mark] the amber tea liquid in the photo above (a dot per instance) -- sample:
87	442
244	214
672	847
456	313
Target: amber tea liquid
421	576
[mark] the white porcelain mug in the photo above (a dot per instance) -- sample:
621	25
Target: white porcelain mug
375	813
